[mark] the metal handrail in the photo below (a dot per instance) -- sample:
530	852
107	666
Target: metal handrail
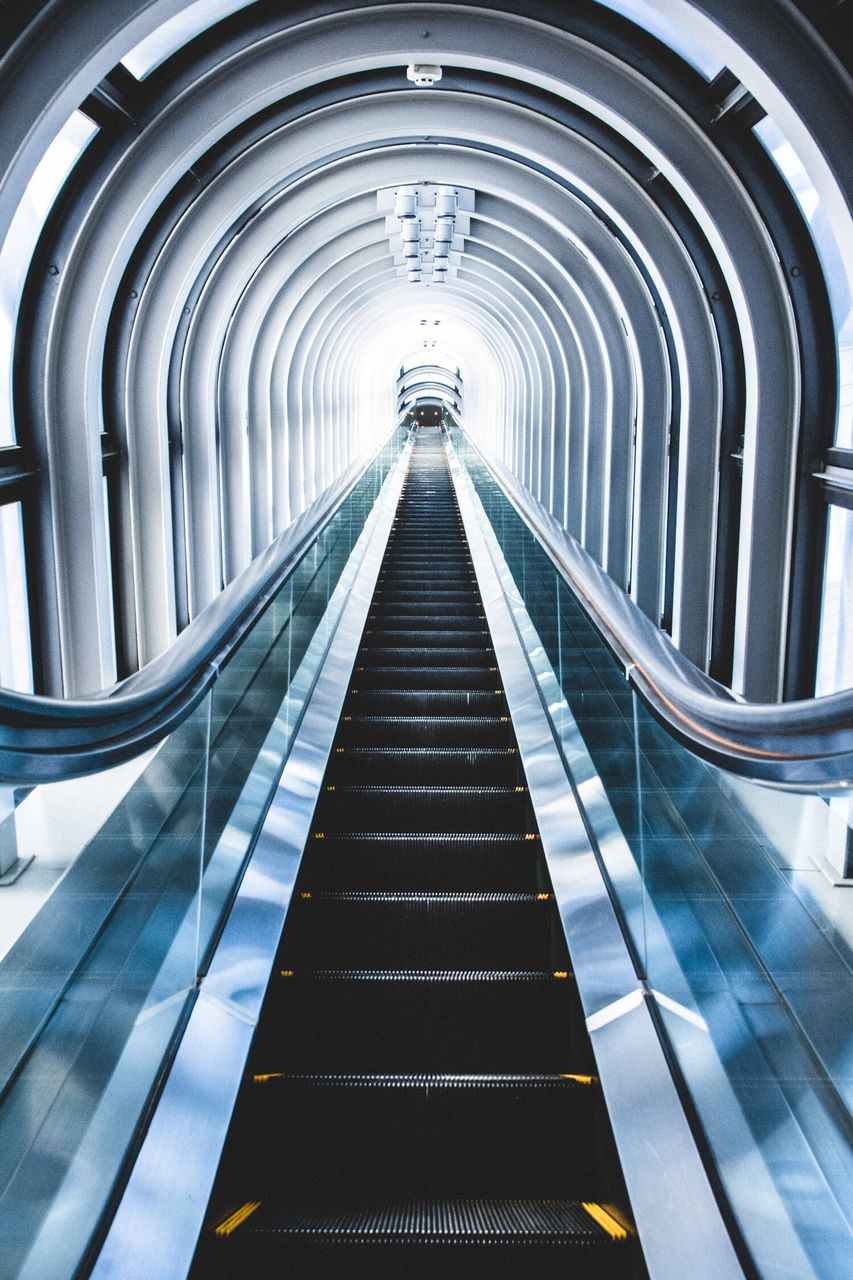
802	745
45	739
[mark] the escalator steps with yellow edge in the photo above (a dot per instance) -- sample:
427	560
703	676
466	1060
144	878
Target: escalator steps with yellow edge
421	1098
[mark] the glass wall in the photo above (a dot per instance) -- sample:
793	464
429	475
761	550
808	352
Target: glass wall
835	656
16	665
745	946
113	889
17	249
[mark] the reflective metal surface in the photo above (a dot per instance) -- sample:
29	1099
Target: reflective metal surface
46	738
105	936
154	1232
803	745
642	1100
743	945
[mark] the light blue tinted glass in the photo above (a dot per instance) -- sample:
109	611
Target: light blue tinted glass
117	886
734	924
16	250
16	666
835	657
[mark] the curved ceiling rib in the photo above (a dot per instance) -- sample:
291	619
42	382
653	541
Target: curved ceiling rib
227	304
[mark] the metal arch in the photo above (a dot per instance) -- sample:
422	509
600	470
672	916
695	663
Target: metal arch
432	369
49	67
238	388
347	324
655	423
203	364
514	280
479	312
495	248
589	356
427	388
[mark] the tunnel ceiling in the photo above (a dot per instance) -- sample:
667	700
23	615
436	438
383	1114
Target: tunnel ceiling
219	293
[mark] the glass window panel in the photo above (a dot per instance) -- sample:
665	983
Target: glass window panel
20	242
680	41
178	31
16	664
106	492
836	273
835	656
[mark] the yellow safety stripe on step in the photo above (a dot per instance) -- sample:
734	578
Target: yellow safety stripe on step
606	1219
561	973
306	896
239	1216
287	973
569	1076
269	1075
544	897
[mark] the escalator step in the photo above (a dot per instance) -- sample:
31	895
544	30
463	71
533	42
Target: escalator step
416	701
340	1131
458	654
425	930
422	808
421	1239
409	1020
492	765
421	1099
436	638
429	617
448	595
436	676
361	860
446	1220
440	731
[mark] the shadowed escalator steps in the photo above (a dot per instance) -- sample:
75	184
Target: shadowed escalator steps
427	1239
421	1099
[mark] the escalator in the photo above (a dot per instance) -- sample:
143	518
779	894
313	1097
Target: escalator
421	1096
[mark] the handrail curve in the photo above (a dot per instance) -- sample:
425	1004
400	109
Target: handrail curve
801	745
46	739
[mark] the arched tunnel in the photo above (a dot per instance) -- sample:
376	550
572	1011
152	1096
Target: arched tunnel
552	302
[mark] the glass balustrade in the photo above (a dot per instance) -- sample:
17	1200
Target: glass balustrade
724	889
113	890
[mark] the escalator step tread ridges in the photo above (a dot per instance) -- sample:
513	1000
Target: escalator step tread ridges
432	1080
428	975
478	897
472	1148
431	1219
368	788
437	837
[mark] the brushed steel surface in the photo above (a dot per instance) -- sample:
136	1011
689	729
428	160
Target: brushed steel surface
154	1232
